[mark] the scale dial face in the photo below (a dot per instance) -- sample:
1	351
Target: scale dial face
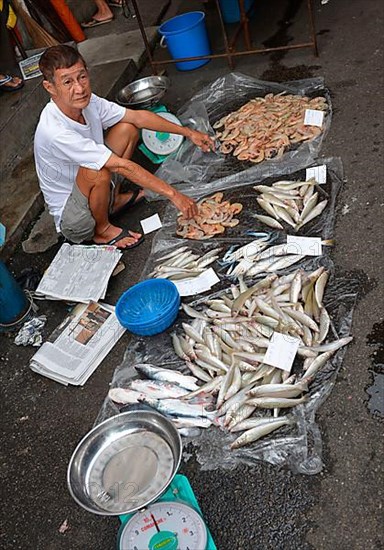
160	142
176	517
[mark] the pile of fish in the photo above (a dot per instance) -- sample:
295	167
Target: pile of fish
165	390
213	217
224	348
183	263
293	202
266	127
256	258
225	345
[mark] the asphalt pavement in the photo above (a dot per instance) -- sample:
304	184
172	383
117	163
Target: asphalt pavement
259	507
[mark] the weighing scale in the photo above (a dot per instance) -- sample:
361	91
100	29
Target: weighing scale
127	467
173	522
158	145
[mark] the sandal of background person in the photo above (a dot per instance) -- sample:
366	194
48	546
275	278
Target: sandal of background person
5	84
95	23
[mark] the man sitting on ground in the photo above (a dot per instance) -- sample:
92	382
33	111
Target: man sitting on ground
75	161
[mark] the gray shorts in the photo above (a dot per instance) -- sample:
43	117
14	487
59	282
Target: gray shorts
77	223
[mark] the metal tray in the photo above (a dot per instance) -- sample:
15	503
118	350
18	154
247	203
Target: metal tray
124	463
143	93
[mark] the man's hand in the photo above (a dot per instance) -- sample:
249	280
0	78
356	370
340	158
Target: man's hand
185	204
203	141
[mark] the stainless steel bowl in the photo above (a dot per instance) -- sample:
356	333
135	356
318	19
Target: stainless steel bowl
124	463
143	93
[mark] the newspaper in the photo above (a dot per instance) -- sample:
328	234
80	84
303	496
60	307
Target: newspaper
77	347
30	67
79	273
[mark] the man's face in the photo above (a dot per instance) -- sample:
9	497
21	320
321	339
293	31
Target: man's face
71	88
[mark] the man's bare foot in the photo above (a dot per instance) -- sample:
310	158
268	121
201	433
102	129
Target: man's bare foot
112	232
122	199
103	13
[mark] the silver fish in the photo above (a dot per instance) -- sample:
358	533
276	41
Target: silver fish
259	431
124	395
253	422
267	220
158	389
176	407
279	390
279	402
167	375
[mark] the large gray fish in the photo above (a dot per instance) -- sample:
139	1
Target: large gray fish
167	375
259	431
176	407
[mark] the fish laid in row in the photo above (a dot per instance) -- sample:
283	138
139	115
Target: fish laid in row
257	258
294	203
183	263
224	347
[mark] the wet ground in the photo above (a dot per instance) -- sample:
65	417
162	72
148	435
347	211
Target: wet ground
259	507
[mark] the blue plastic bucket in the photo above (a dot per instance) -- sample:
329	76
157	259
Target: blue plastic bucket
13	302
186	36
230	9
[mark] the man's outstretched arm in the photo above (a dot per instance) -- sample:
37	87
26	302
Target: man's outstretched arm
136	174
151	121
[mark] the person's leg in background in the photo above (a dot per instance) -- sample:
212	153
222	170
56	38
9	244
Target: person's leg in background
103	15
9	81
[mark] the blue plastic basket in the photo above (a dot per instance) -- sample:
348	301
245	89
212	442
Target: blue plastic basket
149	307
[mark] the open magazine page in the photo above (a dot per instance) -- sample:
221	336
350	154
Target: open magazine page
79	273
81	341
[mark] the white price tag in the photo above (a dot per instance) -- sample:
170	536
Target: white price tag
309	246
313	117
317	172
151	224
281	351
197	285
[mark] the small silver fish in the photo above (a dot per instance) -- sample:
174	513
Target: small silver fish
167	375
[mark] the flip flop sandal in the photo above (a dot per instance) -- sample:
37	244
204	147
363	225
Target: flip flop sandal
4	81
95	23
132	202
121	235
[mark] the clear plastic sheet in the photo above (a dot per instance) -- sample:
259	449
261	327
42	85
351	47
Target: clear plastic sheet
196	173
162	245
322	226
299	447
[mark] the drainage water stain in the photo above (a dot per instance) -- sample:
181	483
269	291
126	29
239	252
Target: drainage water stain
277	72
376	389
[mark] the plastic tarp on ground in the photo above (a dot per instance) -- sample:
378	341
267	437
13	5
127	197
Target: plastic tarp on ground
196	173
322	226
299	446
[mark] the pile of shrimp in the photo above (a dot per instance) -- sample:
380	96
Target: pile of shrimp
266	126
213	216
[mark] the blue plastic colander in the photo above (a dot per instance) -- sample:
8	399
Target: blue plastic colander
149	307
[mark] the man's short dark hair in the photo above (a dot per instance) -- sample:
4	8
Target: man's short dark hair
58	57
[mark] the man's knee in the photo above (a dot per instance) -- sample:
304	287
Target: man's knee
87	179
127	130
122	137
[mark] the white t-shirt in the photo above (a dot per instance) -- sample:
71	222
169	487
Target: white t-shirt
62	145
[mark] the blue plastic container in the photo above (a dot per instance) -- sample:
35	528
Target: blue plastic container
13	301
186	36
149	307
230	9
